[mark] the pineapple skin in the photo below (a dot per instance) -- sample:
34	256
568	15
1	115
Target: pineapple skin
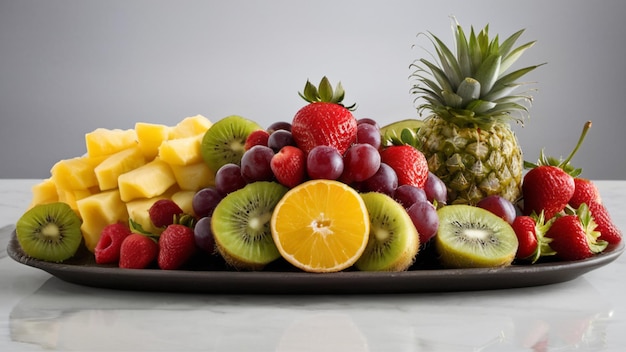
473	162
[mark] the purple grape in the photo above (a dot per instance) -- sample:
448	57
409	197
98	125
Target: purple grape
324	162
280	125
435	189
369	134
407	195
499	206
279	139
384	181
424	217
205	201
228	179
361	162
203	235
366	120
255	164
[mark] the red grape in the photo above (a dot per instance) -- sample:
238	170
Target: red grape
279	125
324	162
255	164
499	206
384	181
424	217
205	201
435	189
280	138
367	120
203	235
361	162
228	179
367	133
408	195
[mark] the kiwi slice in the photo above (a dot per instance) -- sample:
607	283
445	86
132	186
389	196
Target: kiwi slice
241	225
472	237
393	241
224	142
49	232
392	133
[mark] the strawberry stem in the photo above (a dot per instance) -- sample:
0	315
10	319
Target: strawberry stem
586	128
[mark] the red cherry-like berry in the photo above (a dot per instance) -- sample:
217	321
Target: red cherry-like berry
288	166
163	212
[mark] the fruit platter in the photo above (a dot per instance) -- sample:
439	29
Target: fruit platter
328	202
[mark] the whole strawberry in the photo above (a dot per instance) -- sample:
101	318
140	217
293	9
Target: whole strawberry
574	236
409	164
288	166
608	231
325	121
549	185
176	246
107	250
585	191
138	251
163	212
530	232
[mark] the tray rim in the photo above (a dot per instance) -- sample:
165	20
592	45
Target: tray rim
295	282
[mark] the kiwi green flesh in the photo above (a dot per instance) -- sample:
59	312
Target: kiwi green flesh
471	237
393	241
224	142
394	130
49	232
241	225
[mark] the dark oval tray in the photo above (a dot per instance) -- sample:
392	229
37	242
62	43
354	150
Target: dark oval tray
280	279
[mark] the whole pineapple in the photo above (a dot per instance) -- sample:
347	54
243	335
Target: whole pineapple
468	139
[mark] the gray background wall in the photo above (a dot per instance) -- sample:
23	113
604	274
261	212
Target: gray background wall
68	67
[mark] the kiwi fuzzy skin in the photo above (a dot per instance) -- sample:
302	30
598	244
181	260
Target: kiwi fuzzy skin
451	256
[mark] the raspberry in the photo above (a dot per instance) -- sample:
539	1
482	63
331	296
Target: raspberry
108	248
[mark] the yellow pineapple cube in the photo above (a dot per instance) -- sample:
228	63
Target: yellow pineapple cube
190	126
98	211
184	199
181	151
150	136
76	173
44	192
193	177
147	181
72	196
138	212
119	163
103	142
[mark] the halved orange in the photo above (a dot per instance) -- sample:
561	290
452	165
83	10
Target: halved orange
321	226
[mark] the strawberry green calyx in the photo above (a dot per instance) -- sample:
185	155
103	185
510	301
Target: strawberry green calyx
543	243
562	164
589	226
325	93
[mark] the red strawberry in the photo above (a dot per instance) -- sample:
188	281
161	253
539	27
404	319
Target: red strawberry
585	191
409	164
574	236
549	186
163	212
176	246
325	121
608	231
288	166
108	248
258	137
530	231
138	251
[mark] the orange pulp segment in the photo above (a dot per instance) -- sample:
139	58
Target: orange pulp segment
321	226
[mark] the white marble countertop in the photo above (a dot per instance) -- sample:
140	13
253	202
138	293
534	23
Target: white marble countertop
40	312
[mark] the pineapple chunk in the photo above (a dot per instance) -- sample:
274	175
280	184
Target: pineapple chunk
103	142
150	136
76	173
190	126
184	200
119	163
138	212
98	211
193	177
181	151
44	192
71	196
147	181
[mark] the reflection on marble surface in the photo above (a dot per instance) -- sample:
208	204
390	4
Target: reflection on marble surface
74	318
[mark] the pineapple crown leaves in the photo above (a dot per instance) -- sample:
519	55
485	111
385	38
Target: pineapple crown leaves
559	162
325	93
472	87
